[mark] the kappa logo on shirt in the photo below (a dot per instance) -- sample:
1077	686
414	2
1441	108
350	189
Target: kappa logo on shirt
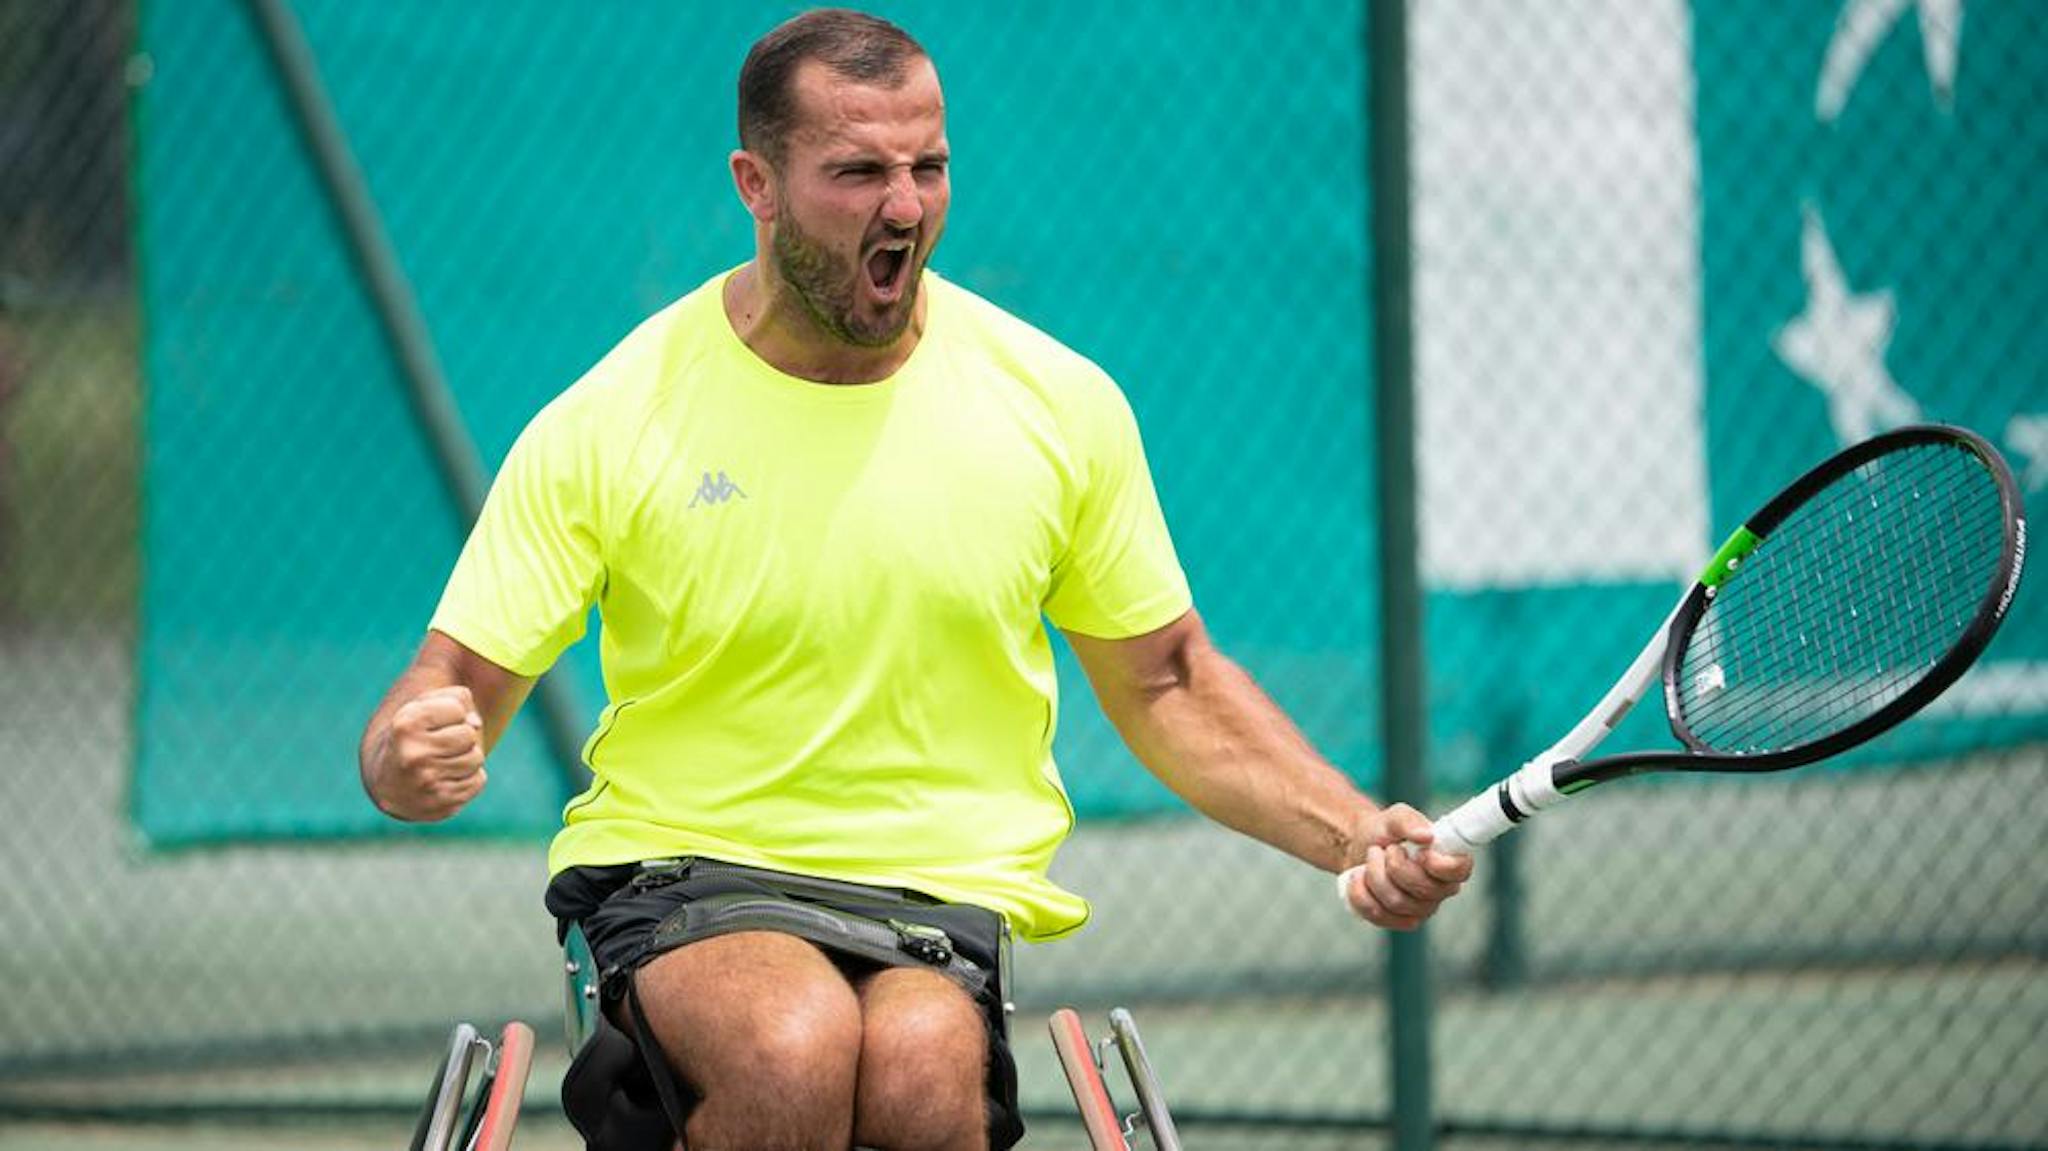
716	490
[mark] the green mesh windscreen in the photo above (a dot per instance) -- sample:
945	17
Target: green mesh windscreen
1666	255
547	190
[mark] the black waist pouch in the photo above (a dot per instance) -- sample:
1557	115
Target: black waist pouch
883	926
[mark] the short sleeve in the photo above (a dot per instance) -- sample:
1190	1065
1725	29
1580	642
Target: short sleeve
524	584
1120	576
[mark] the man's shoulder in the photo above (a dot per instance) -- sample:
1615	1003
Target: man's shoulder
621	386
1021	347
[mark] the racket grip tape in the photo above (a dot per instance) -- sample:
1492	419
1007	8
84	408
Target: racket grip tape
1488	815
1477	821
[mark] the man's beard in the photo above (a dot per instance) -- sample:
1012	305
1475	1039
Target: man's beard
828	285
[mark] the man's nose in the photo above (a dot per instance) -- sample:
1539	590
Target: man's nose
902	207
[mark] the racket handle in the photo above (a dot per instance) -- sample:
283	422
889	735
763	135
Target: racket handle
1450	840
1484	818
1472	824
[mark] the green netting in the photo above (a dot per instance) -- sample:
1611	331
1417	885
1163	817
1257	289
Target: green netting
254	630
543	200
1650	242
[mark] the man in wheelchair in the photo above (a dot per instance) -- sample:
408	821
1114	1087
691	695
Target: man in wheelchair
825	505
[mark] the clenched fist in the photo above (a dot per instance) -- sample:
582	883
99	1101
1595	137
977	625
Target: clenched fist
430	761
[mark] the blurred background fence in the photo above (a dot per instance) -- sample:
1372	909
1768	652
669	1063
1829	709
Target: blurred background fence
1664	257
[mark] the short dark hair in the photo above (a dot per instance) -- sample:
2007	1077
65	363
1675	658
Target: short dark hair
852	44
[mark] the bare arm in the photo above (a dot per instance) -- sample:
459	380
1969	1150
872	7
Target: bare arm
1195	719
422	753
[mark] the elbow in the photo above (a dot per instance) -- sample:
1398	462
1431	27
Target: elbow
1176	670
1178	667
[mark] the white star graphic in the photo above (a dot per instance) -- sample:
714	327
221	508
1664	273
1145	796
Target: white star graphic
1838	344
1863	25
2027	436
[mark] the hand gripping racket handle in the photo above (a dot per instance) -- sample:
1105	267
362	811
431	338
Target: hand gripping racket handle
1450	840
1483	818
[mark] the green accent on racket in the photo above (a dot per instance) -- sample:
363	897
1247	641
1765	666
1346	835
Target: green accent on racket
1722	567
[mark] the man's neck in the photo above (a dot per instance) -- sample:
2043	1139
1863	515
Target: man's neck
776	326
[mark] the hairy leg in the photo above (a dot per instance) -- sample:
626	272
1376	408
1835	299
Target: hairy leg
768	1032
923	1064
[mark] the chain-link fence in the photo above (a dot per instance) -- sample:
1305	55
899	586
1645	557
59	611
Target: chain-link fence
1664	258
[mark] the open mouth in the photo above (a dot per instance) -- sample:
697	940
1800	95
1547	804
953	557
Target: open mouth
888	267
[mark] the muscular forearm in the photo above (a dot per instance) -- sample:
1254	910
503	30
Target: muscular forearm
1213	736
1201	725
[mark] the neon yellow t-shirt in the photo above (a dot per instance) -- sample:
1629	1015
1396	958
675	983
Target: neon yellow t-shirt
822	643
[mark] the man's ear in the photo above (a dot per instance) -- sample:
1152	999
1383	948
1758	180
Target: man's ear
754	178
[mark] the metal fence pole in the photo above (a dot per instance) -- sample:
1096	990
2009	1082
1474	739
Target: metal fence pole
1401	661
398	313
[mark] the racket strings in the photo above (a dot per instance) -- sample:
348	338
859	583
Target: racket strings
1811	707
1870	675
1848	603
1785	707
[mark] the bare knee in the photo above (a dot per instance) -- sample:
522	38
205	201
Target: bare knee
774	1047
766	1032
923	1065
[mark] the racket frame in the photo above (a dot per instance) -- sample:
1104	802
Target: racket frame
1950	667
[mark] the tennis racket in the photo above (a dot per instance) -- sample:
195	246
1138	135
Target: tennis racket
1852	600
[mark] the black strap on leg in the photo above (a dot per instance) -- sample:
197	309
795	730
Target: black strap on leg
671	1092
611	1098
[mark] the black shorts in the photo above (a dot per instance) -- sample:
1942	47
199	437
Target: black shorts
631	913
